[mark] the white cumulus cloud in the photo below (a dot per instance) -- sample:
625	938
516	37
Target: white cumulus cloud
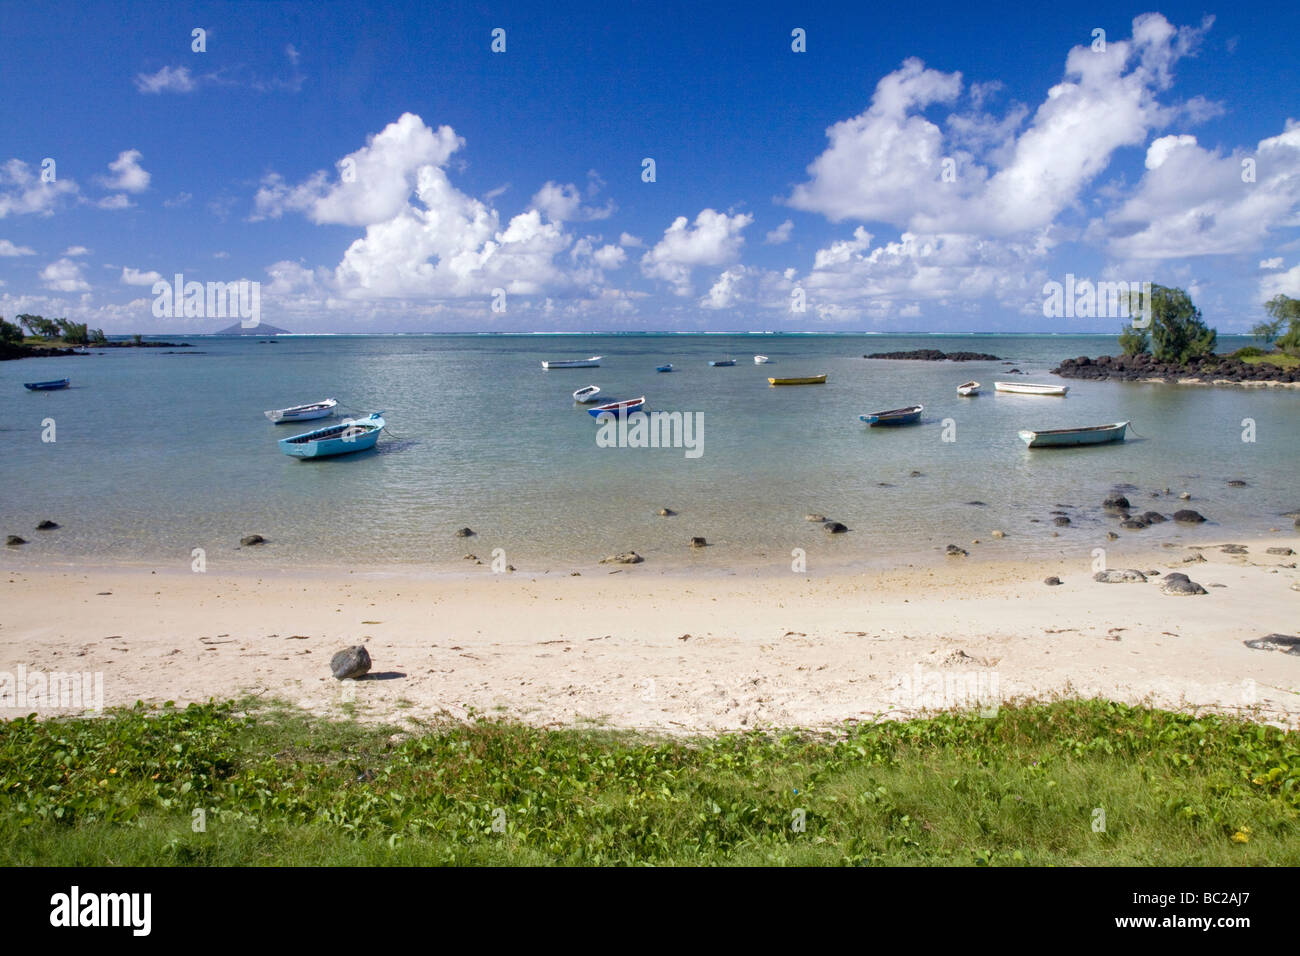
714	239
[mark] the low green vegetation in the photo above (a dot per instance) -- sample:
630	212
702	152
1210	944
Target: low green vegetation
1272	358
48	333
1071	782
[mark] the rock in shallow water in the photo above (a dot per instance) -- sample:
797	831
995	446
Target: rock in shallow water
1115	503
665	512
47	525
814	516
1188	516
627	557
1120	576
249	540
465	532
350	663
955	552
834	527
15	540
699	543
1061	521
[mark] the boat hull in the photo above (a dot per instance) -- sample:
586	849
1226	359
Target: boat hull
723	364
897	416
663	368
1016	388
585	396
303	413
1073	437
52	386
618	409
969	389
346	438
806	380
762	360
593	362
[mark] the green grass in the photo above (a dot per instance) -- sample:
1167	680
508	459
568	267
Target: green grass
280	788
1274	358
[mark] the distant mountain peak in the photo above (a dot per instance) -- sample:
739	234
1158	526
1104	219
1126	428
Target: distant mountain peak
260	329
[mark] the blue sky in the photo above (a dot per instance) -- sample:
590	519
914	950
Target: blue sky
778	174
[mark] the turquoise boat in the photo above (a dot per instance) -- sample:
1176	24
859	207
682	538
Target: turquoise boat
353	435
1067	437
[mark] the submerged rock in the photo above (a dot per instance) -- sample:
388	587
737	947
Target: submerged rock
1188	516
350	663
815	517
699	543
1118	576
955	552
465	532
1133	524
249	540
1115	503
15	540
1153	517
627	557
47	525
1061	521
1237	483
834	527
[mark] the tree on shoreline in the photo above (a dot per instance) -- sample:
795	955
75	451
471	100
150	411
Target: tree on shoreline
1285	311
1178	334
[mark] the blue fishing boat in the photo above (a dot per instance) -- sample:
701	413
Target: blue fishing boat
722	363
353	435
618	408
909	415
664	368
47	386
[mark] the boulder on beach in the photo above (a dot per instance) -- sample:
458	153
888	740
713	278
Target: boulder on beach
627	557
47	525
1133	524
1176	583
1188	516
1153	517
1052	581
665	512
465	532
249	540
1112	536
699	543
1234	549
834	527
1285	643
350	663
1120	576
955	552
1284	552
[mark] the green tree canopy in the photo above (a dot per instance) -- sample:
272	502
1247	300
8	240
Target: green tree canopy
1134	341
1178	333
1285	311
11	333
40	326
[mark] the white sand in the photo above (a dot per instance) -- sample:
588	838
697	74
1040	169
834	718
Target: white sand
612	649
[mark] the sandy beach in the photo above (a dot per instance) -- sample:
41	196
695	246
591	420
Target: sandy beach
636	647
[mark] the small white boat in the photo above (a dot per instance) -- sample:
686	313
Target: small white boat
593	362
303	413
1064	437
587	394
1027	388
969	389
762	360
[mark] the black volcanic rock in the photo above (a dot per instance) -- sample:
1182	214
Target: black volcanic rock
934	355
1128	368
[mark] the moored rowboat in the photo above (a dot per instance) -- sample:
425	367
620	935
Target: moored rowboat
722	363
969	389
1026	388
50	386
806	380
302	413
1063	437
355	434
618	408
587	394
593	362
909	415
664	368
761	360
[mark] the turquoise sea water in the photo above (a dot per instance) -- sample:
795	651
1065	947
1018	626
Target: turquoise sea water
157	453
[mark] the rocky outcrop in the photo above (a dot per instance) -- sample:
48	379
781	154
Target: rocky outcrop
934	355
351	663
1208	370
1120	576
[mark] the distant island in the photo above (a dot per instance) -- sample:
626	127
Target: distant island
934	355
260	329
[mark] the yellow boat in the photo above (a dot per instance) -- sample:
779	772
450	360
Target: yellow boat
807	380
